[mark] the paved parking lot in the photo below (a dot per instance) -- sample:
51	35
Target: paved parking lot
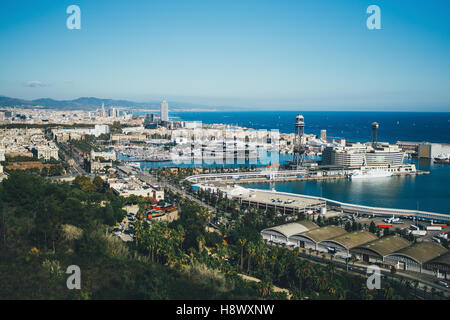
404	223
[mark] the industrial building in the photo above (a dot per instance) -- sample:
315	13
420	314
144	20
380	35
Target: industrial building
312	239
342	244
440	266
414	257
283	232
376	251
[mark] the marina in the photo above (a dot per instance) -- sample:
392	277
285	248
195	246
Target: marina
266	176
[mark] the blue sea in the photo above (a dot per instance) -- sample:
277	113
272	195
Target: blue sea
423	192
354	126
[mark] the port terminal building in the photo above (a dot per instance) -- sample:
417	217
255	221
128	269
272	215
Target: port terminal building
440	266
357	155
413	258
424	257
342	244
376	251
283	233
284	202
312	239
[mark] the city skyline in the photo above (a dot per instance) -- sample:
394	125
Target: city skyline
290	55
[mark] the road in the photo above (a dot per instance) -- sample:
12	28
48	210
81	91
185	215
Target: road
78	160
361	269
147	178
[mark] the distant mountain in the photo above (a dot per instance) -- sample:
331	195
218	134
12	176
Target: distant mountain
10	102
92	103
88	103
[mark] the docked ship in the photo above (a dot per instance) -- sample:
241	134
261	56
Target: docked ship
369	174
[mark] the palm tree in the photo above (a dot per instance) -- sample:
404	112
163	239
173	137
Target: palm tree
298	274
242	242
433	291
331	268
265	287
251	249
416	285
393	271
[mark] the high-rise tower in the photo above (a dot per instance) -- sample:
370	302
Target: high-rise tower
164	111
103	110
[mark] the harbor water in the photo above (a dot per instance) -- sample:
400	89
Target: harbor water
424	192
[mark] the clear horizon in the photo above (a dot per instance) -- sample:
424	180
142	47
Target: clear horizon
285	55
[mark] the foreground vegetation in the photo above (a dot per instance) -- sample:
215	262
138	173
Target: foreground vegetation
45	227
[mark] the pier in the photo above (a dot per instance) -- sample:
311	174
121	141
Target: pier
279	176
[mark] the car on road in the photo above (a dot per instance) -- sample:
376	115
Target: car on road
442	283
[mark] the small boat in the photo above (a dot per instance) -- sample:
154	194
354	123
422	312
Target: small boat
442	157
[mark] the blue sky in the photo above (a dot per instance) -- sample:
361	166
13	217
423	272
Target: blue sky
314	55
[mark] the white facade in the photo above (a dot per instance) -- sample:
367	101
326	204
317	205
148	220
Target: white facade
358	154
47	152
105	155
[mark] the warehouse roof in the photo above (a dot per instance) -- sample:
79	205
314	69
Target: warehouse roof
324	233
354	239
290	229
386	245
422	252
442	259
